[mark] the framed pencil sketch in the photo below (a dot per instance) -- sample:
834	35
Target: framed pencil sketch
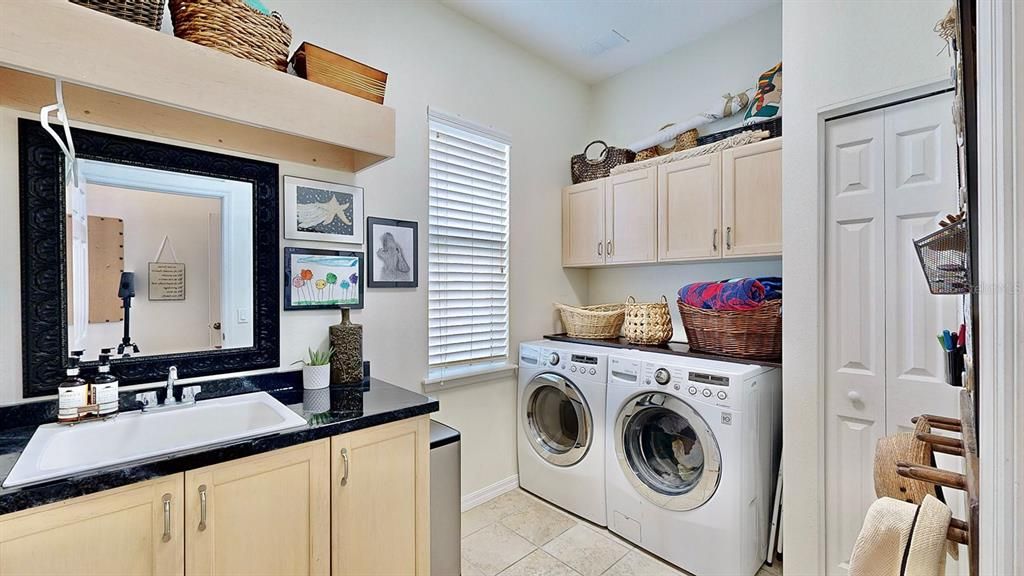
322	211
322	279
393	250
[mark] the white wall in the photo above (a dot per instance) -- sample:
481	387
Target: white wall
672	88
688	80
836	54
437	58
159	327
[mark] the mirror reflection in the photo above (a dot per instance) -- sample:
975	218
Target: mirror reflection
158	262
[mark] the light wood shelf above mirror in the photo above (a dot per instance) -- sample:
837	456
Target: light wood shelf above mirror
125	76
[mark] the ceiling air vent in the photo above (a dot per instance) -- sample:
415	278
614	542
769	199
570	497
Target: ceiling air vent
606	43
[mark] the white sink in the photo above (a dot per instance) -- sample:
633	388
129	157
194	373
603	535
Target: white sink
58	450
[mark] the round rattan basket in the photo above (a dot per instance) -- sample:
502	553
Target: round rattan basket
754	334
647	323
684	141
600	321
234	27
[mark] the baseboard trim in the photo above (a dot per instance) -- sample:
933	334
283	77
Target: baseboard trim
474	499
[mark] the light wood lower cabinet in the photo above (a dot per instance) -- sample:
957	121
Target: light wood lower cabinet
359	502
266	514
133	530
381	490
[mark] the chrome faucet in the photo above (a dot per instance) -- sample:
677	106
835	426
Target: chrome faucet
151	400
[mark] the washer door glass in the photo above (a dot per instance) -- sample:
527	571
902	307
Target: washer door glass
557	420
667	451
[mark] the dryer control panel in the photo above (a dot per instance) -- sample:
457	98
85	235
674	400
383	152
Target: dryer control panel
711	388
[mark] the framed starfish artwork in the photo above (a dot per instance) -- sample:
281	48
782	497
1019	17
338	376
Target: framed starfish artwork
322	211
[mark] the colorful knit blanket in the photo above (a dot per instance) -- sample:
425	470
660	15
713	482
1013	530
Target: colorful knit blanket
738	294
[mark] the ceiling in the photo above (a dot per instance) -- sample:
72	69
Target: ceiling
597	39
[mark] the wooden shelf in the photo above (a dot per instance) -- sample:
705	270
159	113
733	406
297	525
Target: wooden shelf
125	76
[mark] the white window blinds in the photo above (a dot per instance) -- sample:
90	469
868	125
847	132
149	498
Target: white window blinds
468	257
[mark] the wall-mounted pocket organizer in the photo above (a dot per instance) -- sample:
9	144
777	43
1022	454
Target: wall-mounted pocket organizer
944	257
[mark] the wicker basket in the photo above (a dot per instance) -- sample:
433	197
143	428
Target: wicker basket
601	321
684	141
754	334
234	27
148	13
647	323
773	126
584	169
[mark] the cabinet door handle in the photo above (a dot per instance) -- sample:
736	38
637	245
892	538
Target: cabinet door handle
714	239
344	463
610	249
600	248
728	237
202	507
167	518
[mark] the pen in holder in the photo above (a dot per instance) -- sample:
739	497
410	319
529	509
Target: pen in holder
955	366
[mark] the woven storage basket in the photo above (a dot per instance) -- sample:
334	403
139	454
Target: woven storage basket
600	321
148	13
234	27
647	323
773	126
754	334
684	141
584	169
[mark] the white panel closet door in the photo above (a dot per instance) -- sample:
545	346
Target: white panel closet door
855	323
920	186
891	176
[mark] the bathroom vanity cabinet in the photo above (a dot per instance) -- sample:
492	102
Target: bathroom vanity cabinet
360	498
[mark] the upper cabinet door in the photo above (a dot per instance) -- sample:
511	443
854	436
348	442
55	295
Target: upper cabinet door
752	199
690	208
265	514
583	216
136	529
631	225
380	483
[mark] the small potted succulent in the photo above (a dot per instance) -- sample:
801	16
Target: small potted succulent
316	370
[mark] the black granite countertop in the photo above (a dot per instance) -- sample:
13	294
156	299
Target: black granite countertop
671	348
328	412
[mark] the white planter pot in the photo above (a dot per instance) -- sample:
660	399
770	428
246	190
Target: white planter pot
316	377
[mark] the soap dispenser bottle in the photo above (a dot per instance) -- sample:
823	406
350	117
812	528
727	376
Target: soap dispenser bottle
73	392
104	387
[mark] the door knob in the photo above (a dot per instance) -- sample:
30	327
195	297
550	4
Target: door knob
216	325
854	396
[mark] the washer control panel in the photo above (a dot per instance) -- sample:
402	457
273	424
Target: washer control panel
624	371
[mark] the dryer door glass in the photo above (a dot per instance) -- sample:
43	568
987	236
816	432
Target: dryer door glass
667	451
557	420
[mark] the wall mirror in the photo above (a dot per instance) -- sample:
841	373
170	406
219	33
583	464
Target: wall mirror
164	255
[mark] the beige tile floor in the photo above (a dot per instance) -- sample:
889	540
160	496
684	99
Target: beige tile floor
517	534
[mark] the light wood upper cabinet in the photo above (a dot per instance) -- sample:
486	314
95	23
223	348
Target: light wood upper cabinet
583	220
722	205
689	209
380	482
134	530
265	514
752	199
631	225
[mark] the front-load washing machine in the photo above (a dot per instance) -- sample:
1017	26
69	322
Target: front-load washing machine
692	452
561	412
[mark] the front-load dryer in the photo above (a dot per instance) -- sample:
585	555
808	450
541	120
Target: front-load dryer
692	452
561	426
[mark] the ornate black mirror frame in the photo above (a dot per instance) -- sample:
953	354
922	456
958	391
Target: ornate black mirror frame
43	256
